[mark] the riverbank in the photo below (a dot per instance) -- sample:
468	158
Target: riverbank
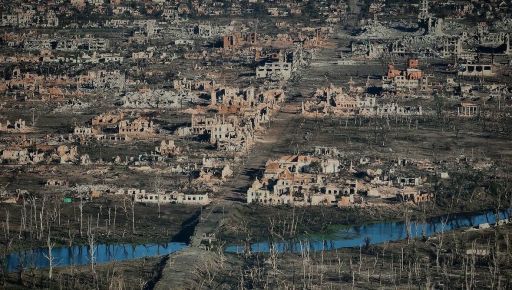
375	233
471	259
366	266
111	222
249	223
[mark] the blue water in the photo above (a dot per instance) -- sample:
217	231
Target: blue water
378	233
346	237
79	255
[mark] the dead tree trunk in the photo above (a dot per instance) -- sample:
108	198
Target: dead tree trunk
133	216
81	207
50	257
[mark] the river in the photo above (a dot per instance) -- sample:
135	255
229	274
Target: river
375	233
79	255
340	237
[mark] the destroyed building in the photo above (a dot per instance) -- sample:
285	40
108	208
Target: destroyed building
333	100
138	127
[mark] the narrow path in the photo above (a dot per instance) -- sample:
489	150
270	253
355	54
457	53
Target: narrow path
183	268
268	145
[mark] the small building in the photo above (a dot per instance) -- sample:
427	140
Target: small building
56	182
411	195
167	148
476	70
408	181
193	199
140	126
84	131
280	70
468	109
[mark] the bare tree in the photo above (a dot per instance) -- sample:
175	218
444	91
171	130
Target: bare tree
439	245
50	257
133	215
7	233
157	186
41	215
81	207
115	216
92	249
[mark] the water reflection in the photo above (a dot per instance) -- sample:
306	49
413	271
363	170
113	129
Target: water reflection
344	237
377	233
79	255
